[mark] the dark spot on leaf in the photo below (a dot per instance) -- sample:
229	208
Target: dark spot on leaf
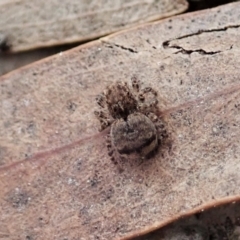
71	106
18	198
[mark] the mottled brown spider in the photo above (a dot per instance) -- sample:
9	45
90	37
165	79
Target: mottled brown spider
136	131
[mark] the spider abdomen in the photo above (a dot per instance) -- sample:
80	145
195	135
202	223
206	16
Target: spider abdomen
136	134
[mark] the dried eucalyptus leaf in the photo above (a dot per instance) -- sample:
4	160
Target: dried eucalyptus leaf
29	24
56	177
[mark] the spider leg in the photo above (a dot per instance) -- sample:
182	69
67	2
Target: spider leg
112	154
104	119
135	84
148	99
147	92
149	89
101	100
109	147
159	124
153	117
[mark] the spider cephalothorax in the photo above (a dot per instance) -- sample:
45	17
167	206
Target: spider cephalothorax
120	100
136	131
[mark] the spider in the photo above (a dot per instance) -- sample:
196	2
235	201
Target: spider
136	131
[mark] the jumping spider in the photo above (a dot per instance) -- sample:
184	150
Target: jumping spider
136	131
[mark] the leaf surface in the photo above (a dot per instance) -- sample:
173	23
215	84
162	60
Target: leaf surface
56	178
28	24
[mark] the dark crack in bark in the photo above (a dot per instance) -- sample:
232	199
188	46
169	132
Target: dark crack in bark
111	45
167	44
201	31
125	48
184	51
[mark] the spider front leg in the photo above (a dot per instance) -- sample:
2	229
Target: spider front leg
102	115
148	99
135	84
160	126
101	100
114	156
103	118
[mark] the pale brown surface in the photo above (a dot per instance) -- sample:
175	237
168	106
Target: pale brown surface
66	187
31	24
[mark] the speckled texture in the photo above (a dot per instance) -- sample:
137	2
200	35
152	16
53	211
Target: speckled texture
56	178
30	24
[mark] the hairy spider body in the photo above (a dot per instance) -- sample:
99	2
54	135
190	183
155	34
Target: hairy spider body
136	134
136	131
120	100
